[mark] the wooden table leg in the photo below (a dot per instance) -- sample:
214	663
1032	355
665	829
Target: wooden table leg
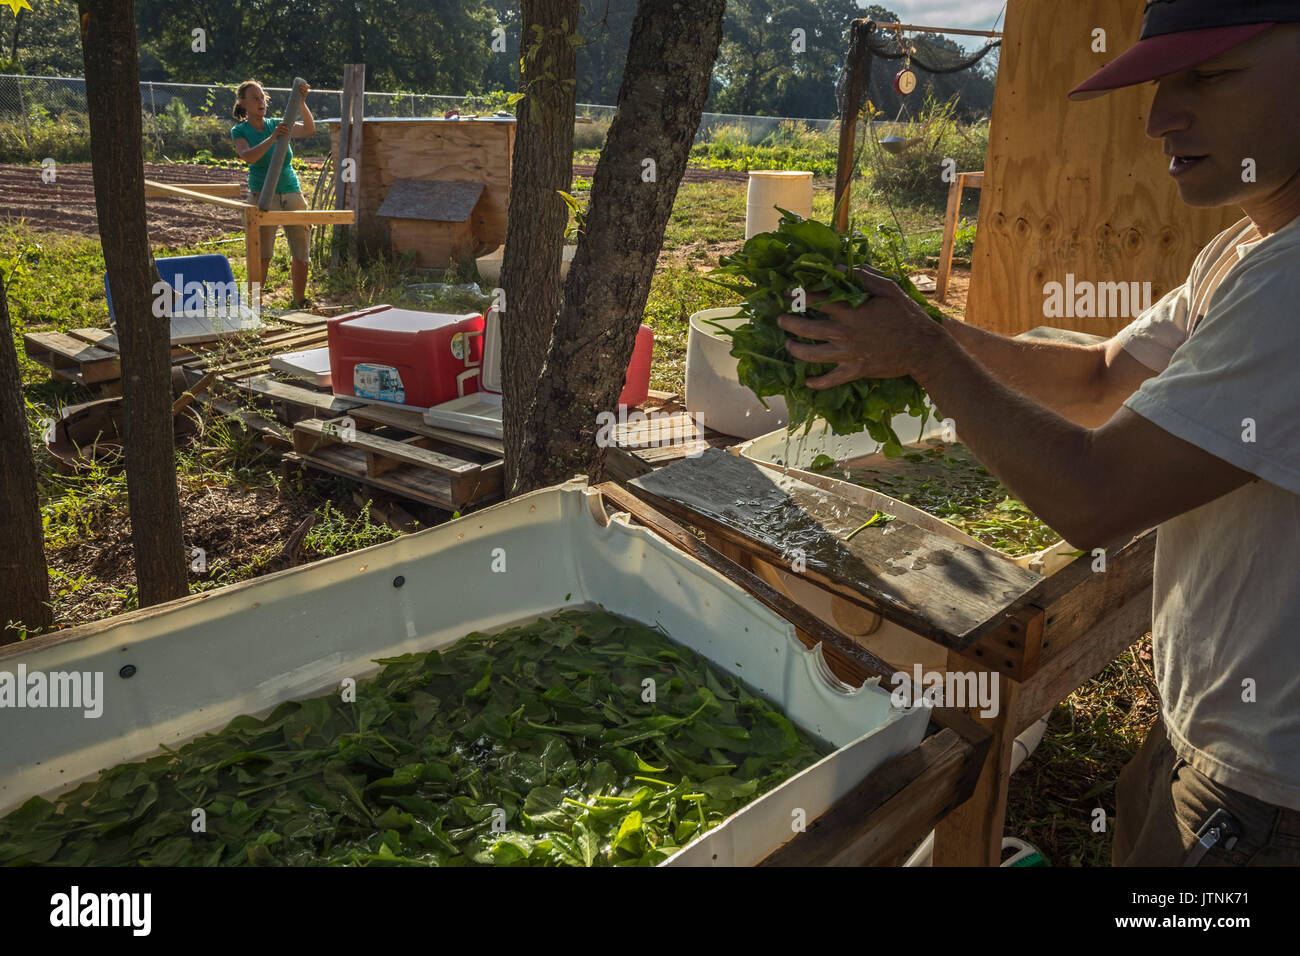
972	834
253	252
949	237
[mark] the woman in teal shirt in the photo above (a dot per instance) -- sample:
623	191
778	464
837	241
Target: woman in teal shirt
255	140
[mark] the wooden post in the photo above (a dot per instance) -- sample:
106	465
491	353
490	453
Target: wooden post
346	187
859	75
253	252
972	834
955	188
282	147
949	233
340	158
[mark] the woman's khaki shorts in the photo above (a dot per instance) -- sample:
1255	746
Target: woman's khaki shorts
299	236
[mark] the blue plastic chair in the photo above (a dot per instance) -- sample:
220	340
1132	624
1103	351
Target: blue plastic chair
179	271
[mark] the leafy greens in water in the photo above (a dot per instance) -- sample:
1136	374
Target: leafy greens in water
531	747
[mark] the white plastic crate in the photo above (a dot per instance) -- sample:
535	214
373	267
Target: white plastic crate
199	662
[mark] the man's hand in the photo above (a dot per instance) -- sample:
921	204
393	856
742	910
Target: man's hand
886	337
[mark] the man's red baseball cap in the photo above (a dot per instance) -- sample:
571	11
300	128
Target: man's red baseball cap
1178	34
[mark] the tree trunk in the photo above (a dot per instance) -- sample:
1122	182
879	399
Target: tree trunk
13	47
24	576
113	102
537	215
665	85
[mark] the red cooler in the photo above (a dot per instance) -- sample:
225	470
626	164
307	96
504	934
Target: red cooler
409	358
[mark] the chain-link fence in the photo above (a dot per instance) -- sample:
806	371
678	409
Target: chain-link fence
185	113
46	116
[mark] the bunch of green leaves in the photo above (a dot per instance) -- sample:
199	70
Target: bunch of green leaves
945	480
535	746
804	254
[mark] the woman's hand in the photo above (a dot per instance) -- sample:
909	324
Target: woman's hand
887	336
305	89
282	130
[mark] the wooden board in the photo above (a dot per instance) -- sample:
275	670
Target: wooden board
928	583
880	818
385	453
173	191
291	402
298	318
154	190
1074	188
436	244
464	476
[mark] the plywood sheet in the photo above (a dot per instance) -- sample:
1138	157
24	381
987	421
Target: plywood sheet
1075	188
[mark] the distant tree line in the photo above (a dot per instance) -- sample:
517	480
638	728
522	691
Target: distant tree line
446	46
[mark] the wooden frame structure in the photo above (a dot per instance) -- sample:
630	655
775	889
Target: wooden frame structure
1041	645
221	194
858	69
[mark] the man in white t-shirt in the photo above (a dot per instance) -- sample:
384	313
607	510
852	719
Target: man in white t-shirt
1188	419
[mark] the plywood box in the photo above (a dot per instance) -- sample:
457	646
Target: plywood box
428	148
435	219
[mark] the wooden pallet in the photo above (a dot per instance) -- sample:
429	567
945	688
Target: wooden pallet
664	434
91	357
77	356
416	466
290	403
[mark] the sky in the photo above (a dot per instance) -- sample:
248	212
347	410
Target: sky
966	14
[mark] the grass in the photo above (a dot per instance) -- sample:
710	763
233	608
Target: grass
1053	797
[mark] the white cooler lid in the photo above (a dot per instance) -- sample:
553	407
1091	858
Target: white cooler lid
491	374
406	320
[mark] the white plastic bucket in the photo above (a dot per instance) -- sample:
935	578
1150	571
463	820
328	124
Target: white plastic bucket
489	266
713	390
790	189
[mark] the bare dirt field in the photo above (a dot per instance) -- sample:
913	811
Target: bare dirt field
68	203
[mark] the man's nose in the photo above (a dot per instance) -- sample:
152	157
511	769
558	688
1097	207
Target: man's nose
1168	113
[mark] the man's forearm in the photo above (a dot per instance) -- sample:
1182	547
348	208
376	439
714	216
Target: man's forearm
1044	458
1061	376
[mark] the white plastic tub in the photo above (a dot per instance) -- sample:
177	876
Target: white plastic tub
243	649
714	394
489	266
